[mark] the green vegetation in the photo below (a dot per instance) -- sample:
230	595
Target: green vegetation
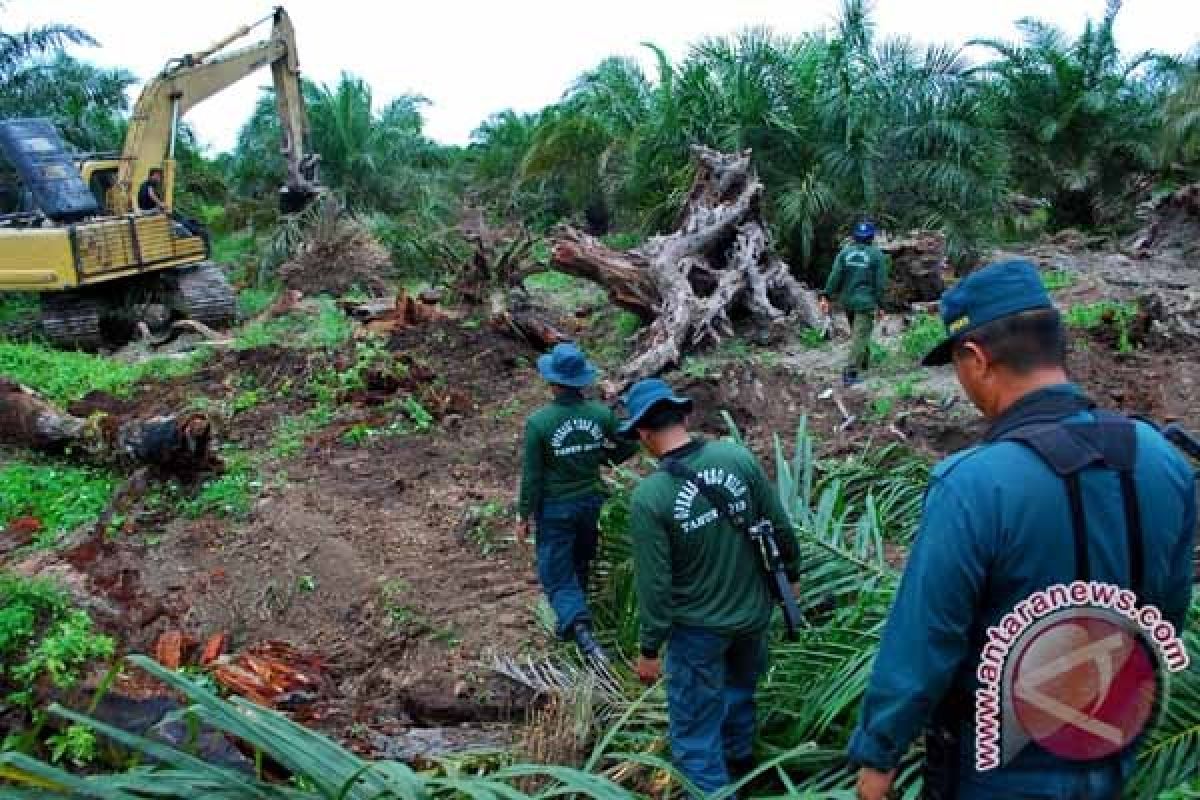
252	302
232	493
921	335
488	522
1058	279
61	497
329	329
1092	316
16	306
63	377
45	642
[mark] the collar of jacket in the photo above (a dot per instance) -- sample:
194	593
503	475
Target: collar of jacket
568	397
693	446
1041	406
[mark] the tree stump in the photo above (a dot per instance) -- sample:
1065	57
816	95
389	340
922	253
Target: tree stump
917	264
692	285
176	443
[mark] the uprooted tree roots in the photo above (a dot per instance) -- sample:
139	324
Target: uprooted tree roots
692	284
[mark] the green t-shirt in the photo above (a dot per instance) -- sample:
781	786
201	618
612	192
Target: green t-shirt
692	566
858	279
566	443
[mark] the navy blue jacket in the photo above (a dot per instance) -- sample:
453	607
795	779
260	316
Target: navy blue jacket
995	529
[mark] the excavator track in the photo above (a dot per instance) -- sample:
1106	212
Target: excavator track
203	293
71	321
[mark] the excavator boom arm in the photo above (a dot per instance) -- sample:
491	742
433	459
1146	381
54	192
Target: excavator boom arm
153	126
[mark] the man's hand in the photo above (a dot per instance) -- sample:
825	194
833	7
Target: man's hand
823	304
648	670
873	784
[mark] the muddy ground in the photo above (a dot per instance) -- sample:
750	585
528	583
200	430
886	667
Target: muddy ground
394	562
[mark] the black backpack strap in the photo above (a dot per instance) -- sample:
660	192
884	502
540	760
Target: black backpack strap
1068	449
1083	568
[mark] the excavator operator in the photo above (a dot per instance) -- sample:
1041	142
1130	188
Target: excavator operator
149	196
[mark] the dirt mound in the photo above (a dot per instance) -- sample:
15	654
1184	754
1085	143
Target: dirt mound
918	262
1173	228
338	253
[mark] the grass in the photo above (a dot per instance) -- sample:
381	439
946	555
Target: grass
1058	279
252	302
62	498
64	376
564	290
230	495
15	306
44	642
329	330
1090	316
921	336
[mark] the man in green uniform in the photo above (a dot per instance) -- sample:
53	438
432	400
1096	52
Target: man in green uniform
701	589
857	282
566	443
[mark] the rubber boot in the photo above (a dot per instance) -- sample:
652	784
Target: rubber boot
849	377
588	645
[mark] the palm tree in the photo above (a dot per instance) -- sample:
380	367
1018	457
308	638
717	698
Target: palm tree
86	102
38	79
19	50
1179	147
1078	118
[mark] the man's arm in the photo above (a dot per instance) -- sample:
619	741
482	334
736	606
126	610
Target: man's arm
926	637
652	574
834	284
532	474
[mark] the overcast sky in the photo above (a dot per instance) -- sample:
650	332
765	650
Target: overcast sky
473	58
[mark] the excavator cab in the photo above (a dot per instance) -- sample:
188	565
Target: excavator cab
73	232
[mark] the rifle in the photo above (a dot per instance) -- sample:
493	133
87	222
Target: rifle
762	535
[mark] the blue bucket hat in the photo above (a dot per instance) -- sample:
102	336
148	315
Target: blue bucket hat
566	365
642	397
998	290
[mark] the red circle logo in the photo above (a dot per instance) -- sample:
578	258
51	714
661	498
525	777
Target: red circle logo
1085	686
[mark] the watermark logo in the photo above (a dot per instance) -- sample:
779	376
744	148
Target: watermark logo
1076	669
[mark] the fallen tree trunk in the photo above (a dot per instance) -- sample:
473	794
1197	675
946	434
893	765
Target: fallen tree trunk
179	442
691	285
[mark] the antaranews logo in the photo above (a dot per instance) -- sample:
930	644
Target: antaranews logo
1077	669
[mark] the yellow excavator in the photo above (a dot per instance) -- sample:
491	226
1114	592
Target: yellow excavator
77	235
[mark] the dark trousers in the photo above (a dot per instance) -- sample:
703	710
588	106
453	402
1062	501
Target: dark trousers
711	681
567	535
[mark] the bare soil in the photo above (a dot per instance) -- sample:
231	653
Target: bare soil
394	563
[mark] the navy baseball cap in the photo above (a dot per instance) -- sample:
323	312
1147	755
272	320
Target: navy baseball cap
998	290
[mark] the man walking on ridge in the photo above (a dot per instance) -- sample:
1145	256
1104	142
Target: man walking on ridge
857	283
566	443
1026	690
701	587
